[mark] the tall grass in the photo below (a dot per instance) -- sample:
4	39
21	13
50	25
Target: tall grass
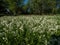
28	30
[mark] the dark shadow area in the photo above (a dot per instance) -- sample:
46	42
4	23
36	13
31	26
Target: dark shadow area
54	40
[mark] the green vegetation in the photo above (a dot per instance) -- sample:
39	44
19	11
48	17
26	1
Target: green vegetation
28	30
17	7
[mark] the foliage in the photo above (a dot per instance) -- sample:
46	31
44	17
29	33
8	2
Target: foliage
32	6
3	6
28	30
43	6
12	5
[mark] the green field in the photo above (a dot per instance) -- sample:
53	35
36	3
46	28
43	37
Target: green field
28	30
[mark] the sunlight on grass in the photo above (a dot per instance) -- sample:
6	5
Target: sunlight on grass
28	30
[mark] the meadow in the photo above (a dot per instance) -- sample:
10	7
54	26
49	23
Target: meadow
29	30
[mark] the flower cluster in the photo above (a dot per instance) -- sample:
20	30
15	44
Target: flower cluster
30	30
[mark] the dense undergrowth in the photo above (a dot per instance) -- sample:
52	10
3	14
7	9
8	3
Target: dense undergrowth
29	30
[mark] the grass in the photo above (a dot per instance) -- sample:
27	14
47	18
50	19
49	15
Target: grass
28	30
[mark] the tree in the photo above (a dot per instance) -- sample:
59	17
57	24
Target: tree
22	8
52	4
37	6
12	5
3	7
42	6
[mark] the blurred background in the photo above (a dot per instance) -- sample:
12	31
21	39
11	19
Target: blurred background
26	7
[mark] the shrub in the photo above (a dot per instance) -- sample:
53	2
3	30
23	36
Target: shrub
26	30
